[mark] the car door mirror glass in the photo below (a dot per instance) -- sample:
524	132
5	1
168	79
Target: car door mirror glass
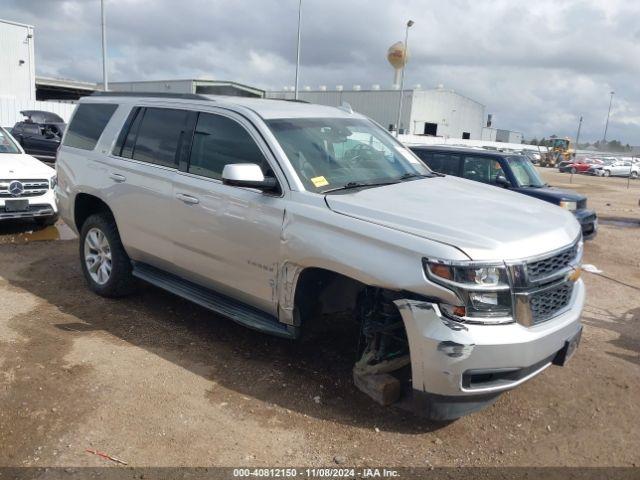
248	175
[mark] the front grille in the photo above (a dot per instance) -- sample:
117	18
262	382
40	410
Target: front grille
582	204
548	303
550	265
31	188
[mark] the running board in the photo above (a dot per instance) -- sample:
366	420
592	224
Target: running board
238	312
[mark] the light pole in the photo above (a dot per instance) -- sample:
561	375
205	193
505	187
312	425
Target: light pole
298	48
406	52
606	125
105	82
575	148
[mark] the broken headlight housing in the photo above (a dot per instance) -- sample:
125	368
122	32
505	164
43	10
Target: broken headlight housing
483	289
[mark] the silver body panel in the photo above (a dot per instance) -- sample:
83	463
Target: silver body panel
252	246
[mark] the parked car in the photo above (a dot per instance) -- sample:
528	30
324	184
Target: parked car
278	214
578	166
26	185
620	169
513	172
40	133
596	168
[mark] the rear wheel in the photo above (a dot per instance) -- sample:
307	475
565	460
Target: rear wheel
105	264
573	170
634	174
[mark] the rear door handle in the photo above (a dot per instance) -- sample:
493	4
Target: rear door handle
187	199
116	177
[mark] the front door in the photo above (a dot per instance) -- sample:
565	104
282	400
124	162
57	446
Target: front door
227	238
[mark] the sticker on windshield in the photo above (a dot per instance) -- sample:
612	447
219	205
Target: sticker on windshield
319	182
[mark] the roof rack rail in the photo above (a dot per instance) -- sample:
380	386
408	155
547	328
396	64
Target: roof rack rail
186	96
297	100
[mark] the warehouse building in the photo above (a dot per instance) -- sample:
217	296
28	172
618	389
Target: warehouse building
17	64
435	112
201	86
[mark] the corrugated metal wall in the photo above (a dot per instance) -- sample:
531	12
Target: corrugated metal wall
380	105
169	86
452	112
10	109
17	70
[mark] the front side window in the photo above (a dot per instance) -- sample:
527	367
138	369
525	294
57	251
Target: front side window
159	135
525	173
87	125
220	141
482	169
7	145
332	153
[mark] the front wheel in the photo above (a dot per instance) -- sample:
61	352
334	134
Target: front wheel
607	173
105	264
573	170
634	174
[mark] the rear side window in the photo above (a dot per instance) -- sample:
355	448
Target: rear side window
87	125
446	163
219	141
158	136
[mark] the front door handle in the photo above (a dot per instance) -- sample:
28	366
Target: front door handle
116	177
187	199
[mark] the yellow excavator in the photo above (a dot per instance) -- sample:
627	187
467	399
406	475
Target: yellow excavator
559	149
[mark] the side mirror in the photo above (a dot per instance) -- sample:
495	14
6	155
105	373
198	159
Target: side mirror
502	181
247	175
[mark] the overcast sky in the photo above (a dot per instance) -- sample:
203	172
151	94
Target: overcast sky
536	65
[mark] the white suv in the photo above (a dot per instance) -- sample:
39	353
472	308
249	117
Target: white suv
26	184
280	215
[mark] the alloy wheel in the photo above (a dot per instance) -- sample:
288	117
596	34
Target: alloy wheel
97	256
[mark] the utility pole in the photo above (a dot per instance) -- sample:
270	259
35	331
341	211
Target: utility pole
575	150
298	48
105	82
606	125
404	65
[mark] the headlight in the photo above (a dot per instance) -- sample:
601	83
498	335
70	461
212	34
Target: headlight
53	182
571	206
483	289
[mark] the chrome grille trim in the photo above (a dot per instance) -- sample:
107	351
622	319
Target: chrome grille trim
32	187
548	267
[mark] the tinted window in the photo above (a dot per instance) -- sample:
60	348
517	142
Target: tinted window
447	163
482	169
219	141
159	135
87	125
30	129
127	133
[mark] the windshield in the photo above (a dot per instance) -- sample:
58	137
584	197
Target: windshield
7	145
333	153
525	173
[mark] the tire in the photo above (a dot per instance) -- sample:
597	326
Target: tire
47	221
633	174
573	170
607	173
100	245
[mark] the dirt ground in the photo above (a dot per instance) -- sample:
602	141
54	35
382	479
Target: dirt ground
157	381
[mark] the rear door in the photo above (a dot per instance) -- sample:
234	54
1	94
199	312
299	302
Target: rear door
141	170
228	238
441	162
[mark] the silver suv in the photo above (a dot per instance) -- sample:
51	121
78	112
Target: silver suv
280	215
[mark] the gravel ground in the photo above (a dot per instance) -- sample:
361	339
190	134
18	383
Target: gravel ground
156	381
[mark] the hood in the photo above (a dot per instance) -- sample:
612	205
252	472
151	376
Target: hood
485	222
553	195
20	165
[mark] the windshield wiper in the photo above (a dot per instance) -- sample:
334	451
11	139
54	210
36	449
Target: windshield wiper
353	185
409	176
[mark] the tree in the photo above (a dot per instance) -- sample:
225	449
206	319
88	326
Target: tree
534	141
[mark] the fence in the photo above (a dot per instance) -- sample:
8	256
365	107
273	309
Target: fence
10	109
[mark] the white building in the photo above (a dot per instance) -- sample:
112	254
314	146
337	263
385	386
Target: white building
17	64
490	134
437	112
